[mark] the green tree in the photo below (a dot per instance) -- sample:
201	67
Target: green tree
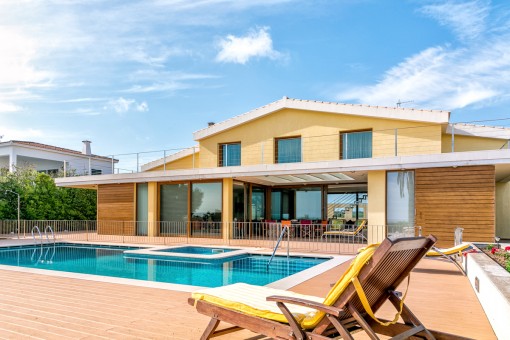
41	199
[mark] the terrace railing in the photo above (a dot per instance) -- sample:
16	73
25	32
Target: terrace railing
386	143
302	237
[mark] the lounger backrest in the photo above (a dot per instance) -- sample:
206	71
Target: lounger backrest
389	265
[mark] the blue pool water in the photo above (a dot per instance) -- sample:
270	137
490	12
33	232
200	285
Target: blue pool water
111	261
197	250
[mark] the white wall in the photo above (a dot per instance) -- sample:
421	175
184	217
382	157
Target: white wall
48	159
4	161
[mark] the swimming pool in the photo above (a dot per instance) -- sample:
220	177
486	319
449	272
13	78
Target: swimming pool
198	250
113	262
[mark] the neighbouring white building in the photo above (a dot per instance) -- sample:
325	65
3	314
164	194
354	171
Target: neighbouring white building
51	159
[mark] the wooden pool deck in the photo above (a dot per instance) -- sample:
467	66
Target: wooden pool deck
34	306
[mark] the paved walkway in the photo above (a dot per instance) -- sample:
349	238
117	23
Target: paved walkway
47	307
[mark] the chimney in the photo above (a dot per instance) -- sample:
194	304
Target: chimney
86	147
210	124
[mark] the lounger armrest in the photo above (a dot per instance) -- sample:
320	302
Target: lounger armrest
306	303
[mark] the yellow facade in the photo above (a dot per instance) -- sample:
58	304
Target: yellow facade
186	162
376	205
320	136
471	143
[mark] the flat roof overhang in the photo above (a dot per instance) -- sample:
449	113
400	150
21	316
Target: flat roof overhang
326	172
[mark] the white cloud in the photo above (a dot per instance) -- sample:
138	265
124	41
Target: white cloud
21	134
257	43
142	107
122	105
158	81
18	53
9	107
443	78
448	77
466	19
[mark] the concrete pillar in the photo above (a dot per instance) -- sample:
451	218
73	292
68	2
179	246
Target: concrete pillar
13	160
503	210
228	207
376	206
152	215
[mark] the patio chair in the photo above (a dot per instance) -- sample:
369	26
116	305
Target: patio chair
306	228
357	232
370	280
451	254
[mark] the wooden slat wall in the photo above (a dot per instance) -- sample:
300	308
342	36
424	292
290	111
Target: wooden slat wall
116	203
449	197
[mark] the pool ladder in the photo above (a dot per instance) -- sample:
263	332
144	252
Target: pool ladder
285	228
43	256
47	231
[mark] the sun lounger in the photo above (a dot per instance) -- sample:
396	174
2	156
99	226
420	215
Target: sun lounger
370	280
356	232
451	253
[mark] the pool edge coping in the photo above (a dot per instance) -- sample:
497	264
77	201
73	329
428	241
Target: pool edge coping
284	284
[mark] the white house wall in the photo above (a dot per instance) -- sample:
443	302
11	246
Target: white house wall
48	160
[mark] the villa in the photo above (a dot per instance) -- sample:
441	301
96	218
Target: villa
52	159
323	164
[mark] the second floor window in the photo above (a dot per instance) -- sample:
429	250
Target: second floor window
288	150
356	144
229	154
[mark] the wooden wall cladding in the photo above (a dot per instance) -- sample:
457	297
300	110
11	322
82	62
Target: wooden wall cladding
446	198
115	209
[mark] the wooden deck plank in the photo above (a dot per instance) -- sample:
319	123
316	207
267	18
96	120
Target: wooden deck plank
48	307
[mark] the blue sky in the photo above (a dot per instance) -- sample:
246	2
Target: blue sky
143	75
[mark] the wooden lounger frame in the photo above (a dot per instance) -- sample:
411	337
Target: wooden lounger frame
391	263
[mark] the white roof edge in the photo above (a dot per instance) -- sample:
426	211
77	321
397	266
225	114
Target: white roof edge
486	157
463	129
418	115
170	158
74	154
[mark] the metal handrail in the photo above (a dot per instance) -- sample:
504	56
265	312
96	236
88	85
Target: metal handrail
52	233
38	231
284	228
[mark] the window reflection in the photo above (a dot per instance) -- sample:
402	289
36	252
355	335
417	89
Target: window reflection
288	150
400	203
206	202
308	204
142	208
174	202
258	204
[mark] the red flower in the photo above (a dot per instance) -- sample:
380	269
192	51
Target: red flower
493	250
507	248
469	251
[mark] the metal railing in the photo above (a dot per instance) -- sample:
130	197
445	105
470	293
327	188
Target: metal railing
301	237
411	140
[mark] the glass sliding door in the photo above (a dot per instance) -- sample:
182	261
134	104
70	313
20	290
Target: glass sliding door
400	203
308	204
206	209
142	209
173	209
258	204
239	225
258	210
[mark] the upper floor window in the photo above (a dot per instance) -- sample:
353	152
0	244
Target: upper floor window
229	154
288	150
356	144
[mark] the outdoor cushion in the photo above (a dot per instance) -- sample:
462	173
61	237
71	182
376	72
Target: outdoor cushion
251	300
449	251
